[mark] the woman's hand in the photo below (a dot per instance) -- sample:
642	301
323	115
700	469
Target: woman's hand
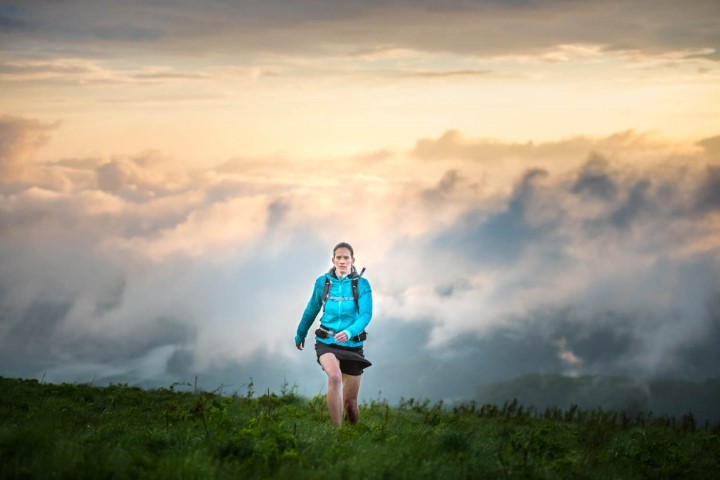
341	337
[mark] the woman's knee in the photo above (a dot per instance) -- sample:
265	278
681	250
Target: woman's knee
334	379
331	366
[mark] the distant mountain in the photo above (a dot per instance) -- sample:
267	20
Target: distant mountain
659	396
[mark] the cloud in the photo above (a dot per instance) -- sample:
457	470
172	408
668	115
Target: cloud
19	139
711	146
697	354
708	195
488	260
500	237
479	28
609	236
147	174
594	180
92	71
76	21
447	74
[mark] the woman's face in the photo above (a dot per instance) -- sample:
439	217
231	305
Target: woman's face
343	261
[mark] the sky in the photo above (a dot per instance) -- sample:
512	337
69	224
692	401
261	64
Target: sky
533	187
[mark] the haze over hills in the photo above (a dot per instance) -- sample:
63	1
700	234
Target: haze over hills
658	396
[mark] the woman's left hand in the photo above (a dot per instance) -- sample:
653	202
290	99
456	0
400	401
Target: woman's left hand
341	337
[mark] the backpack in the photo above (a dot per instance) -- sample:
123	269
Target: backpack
353	284
356	294
326	292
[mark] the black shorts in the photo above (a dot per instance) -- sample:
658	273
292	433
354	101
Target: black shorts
352	361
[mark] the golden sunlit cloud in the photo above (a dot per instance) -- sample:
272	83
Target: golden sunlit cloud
323	86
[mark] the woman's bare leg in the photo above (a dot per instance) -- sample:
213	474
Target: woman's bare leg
351	387
331	365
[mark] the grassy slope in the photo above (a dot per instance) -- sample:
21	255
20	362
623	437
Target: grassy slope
79	431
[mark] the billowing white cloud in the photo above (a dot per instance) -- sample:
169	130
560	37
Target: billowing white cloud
597	254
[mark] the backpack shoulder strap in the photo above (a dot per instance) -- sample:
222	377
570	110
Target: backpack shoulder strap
326	293
356	294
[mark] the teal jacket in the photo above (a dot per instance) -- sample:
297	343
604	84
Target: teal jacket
339	313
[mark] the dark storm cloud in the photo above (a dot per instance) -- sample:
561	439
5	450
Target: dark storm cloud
73	21
502	236
699	357
277	212
708	195
593	179
29	333
603	342
629	236
455	370
477	366
635	204
444	187
40	337
12	17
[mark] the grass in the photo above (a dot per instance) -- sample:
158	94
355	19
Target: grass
80	431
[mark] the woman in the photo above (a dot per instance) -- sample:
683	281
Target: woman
346	300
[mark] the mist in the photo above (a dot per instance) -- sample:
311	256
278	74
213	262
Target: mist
488	261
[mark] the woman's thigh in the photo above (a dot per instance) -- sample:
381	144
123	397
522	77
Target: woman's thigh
330	364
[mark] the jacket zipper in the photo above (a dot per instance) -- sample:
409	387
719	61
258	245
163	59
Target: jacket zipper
339	306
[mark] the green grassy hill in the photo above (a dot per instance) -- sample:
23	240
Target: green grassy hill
80	431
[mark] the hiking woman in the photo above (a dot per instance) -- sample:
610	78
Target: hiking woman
346	300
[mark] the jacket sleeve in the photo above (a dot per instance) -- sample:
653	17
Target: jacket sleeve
311	311
365	309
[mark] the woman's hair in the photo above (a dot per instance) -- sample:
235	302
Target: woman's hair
344	245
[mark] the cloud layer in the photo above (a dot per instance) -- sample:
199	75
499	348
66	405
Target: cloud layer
322	78
479	27
488	260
